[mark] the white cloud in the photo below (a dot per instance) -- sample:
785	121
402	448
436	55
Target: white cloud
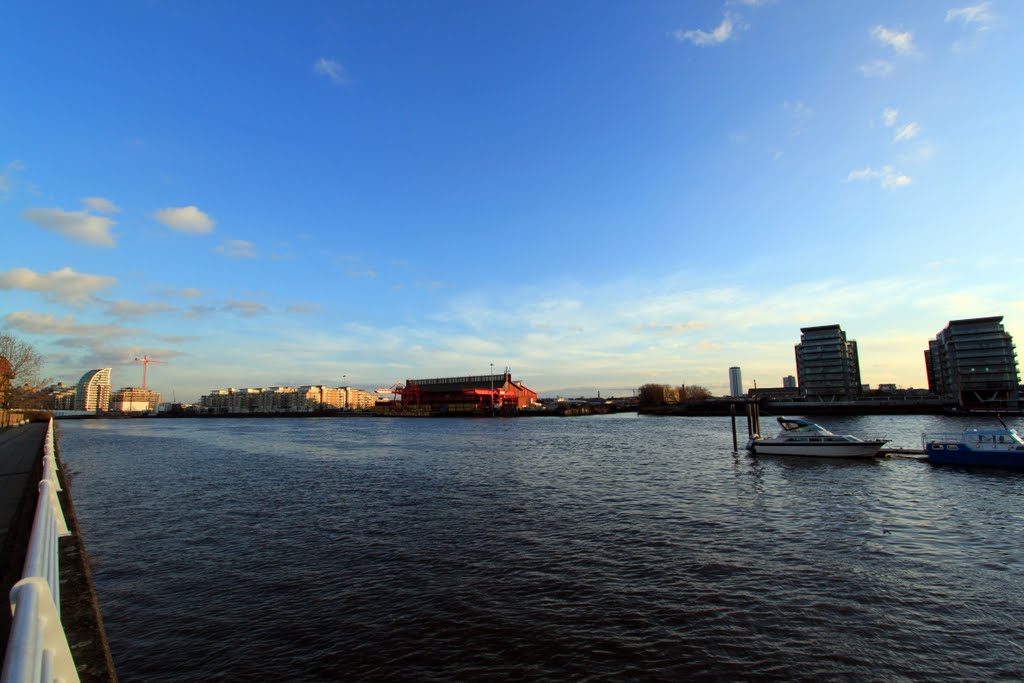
907	132
901	42
185	219
887	176
39	323
237	249
63	285
101	205
889	116
876	68
717	36
332	69
78	226
978	16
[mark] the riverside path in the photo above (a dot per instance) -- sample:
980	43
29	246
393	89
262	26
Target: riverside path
21	451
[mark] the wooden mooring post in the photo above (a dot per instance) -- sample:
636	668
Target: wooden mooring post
732	415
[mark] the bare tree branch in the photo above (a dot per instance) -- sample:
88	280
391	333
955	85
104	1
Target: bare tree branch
25	362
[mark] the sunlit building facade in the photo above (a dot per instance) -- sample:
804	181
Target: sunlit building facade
304	399
61	396
93	391
134	400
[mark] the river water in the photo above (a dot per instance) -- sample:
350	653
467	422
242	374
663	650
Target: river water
597	548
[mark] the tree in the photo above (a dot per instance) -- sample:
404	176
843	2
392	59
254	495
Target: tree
657	395
696	392
21	361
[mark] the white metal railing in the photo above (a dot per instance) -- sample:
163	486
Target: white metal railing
38	647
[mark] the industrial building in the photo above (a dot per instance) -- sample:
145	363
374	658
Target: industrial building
974	362
473	395
93	391
827	365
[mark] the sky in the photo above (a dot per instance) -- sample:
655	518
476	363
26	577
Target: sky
593	194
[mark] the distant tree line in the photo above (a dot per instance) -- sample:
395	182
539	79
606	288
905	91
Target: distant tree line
652	395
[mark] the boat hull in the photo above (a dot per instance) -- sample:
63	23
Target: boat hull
942	454
861	449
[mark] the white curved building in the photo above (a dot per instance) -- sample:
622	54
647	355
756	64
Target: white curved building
93	391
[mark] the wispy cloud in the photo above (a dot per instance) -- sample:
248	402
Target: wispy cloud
64	285
907	132
716	36
237	249
302	308
123	309
40	323
978	16
101	205
77	226
900	41
876	68
332	69
799	114
185	219
977	19
246	309
669	329
889	116
887	177
5	179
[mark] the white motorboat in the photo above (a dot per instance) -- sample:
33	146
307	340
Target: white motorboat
803	437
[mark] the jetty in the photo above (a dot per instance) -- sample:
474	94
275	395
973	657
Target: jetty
53	626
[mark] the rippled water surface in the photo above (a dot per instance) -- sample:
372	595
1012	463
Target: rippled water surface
603	548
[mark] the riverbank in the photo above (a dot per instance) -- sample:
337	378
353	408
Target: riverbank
80	608
21	458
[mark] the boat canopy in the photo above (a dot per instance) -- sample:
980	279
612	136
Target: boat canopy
798	424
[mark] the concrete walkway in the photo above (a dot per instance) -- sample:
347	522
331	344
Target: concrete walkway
21	456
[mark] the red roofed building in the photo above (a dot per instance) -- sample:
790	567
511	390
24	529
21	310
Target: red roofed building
480	395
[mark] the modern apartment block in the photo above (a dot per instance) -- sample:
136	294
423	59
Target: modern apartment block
735	382
789	382
974	362
93	391
305	399
61	396
827	365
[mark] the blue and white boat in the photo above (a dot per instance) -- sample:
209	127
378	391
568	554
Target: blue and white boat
1002	448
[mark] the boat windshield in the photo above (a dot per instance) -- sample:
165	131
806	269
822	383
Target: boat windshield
798	425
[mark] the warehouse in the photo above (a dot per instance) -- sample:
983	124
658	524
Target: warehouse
479	395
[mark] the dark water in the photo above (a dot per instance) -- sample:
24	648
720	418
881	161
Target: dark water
612	548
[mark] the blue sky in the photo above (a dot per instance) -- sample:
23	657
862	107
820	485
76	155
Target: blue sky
596	194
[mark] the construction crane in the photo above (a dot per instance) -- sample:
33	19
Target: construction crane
146	360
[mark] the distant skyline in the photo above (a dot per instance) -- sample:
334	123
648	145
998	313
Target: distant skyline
597	195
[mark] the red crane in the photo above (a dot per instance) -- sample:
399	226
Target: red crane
146	360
